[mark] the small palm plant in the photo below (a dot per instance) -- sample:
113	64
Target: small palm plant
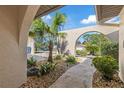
31	62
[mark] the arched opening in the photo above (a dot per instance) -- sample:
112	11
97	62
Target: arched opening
38	50
94	43
89	52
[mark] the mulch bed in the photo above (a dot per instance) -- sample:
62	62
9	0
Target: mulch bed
46	80
98	82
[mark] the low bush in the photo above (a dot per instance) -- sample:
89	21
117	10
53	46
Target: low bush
111	49
47	67
92	48
31	62
78	52
58	57
71	59
81	52
106	65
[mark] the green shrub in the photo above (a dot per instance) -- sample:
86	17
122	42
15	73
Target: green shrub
78	52
47	67
58	57
93	49
111	49
81	52
31	62
106	65
71	59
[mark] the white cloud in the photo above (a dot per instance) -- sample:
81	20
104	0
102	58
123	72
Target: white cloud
47	17
113	20
90	19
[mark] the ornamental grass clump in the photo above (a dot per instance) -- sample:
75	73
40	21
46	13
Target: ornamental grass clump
106	65
71	59
47	67
58	57
31	62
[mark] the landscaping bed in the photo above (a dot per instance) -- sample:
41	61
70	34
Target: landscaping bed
46	80
98	82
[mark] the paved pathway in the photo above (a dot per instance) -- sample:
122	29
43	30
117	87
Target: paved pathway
79	76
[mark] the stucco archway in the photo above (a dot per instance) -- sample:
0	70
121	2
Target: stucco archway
14	25
93	32
72	35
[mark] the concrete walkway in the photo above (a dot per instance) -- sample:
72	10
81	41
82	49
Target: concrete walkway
79	76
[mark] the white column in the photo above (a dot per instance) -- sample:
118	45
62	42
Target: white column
121	46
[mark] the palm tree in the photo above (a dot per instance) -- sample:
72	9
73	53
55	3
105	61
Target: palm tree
49	33
37	32
61	42
57	24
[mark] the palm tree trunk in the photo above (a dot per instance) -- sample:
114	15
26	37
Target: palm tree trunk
58	45
50	58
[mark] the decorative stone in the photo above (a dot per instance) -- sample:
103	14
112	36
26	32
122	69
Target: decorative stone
33	71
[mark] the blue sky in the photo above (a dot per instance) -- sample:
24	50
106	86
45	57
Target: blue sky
77	16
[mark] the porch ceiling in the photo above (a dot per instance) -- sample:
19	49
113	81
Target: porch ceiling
45	9
106	12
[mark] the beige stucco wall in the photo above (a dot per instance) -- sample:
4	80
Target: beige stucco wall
14	24
121	45
9	50
72	35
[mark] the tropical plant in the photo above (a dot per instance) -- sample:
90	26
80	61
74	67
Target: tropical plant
70	59
49	33
58	57
57	24
62	43
78	52
31	62
106	65
47	67
37	31
81	52
92	48
37	46
95	42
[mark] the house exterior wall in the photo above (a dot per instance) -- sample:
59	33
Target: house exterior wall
10	62
14	25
